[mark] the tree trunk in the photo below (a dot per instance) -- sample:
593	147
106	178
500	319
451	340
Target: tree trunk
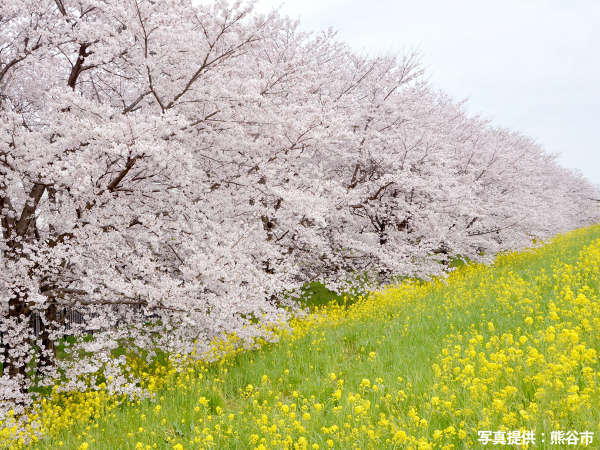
18	313
48	350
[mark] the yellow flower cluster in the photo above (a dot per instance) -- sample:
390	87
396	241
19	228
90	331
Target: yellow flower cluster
538	370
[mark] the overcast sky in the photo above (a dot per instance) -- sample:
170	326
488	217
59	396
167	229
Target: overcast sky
529	65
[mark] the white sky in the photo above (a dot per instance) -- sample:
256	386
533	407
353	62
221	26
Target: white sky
530	65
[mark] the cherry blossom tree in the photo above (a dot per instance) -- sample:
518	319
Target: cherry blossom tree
167	171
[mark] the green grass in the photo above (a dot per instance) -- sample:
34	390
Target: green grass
315	295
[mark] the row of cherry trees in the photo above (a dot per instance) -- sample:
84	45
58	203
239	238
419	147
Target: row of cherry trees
169	170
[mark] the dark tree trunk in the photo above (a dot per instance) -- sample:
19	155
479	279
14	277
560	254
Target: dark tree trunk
19	312
48	350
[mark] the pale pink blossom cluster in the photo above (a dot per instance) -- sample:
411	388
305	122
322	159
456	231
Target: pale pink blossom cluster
168	171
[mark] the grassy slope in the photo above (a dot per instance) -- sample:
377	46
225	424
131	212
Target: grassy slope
419	365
